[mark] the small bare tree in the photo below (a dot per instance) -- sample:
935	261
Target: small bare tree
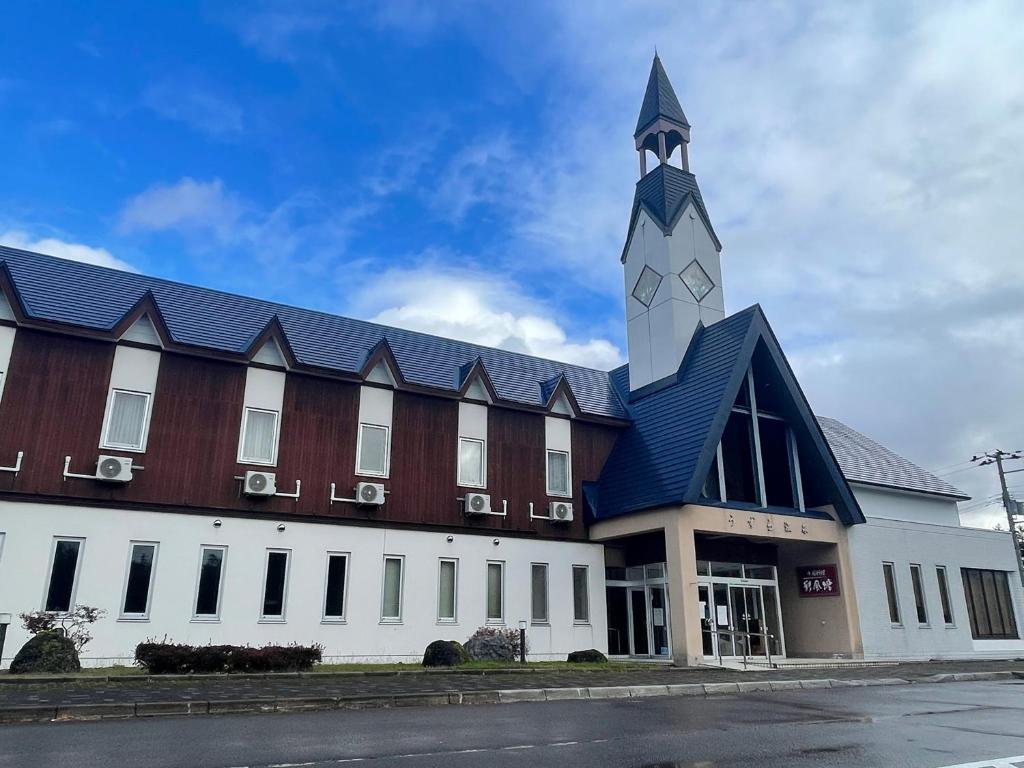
74	624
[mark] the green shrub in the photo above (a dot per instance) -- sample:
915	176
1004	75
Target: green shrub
590	656
47	651
178	658
444	653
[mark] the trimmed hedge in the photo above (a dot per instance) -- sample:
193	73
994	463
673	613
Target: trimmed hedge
445	653
177	658
589	656
46	651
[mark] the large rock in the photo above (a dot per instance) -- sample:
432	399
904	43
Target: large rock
46	652
589	656
490	648
444	653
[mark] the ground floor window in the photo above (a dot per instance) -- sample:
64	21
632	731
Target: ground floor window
334	590
919	602
139	582
989	604
539	593
211	573
581	594
889	575
391	601
447	589
64	567
495	592
947	608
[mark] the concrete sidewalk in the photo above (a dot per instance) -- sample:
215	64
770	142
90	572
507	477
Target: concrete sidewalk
138	696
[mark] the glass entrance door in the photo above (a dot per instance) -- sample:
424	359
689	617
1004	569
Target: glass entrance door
638	624
748	620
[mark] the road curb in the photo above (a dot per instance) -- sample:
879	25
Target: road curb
106	711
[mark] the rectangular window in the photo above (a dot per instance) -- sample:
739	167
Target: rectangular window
334	590
139	583
989	604
447	584
889	572
472	460
739	460
391	602
127	416
919	602
580	594
259	437
495	592
558	473
60	592
947	608
275	585
211	573
539	593
372	450
776	460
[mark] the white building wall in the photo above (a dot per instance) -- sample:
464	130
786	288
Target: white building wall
27	532
906	528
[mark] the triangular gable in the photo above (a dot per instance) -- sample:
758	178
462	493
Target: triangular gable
475	383
11	305
558	396
143	323
380	366
665	456
270	346
142	331
6	312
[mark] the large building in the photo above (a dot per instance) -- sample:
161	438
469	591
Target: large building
212	468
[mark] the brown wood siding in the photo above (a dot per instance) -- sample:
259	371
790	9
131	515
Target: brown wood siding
515	465
591	445
53	407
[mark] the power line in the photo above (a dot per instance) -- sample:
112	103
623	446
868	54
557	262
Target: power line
997	457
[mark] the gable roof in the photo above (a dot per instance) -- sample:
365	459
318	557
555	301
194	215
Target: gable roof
664	456
97	299
659	101
865	461
664	193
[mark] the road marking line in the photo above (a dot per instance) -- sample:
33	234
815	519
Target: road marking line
998	762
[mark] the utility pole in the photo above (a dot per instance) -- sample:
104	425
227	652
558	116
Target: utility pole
997	458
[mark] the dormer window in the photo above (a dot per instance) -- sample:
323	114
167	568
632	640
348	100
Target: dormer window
696	280
646	286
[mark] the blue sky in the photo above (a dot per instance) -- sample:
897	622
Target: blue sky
467	169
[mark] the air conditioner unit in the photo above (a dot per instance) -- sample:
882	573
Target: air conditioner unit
477	504
370	494
259	483
560	512
113	469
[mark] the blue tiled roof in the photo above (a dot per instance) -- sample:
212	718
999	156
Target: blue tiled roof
97	298
659	100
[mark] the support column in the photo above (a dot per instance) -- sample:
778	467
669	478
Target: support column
681	561
662	152
643	163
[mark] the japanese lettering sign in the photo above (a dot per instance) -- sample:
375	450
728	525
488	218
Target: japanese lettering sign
818	580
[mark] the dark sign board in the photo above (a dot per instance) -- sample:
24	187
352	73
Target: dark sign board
818	580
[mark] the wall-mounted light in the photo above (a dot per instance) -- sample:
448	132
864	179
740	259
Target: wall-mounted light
217	523
451	539
280	527
496	542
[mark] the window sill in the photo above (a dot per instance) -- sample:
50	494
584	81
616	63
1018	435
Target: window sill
581	623
133	619
272	620
553	495
447	622
391	621
366	476
333	621
204	620
540	624
896	626
254	463
121	449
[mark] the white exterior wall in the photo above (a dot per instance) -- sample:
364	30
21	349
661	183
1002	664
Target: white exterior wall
907	528
28	530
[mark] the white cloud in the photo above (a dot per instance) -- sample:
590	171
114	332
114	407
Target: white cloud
188	205
62	249
474	306
196	105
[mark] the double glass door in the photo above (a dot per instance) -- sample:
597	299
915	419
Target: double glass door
739	620
638	612
648	621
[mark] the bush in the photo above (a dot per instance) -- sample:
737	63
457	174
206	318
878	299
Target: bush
590	656
177	658
47	651
444	653
509	635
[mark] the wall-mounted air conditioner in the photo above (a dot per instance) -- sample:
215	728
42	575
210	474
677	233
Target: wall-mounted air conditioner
477	504
259	483
560	511
370	494
113	469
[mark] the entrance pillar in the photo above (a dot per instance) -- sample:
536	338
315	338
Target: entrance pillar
681	562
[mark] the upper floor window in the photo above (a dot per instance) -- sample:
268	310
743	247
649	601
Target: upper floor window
373	450
127	417
558	473
472	463
259	437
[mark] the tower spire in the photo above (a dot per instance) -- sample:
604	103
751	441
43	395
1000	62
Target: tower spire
662	126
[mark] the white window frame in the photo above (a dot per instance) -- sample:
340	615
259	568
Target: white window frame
896	594
283	617
401	589
568	473
78	571
122	616
242	458
545	622
944	586
324	617
454	618
496	621
210	617
924	595
586	571
387	450
105	440
483	463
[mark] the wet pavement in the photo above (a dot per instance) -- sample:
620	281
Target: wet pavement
917	726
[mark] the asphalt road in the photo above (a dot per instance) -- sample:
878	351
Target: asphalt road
925	726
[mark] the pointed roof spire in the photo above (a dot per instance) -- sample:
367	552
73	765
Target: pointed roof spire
660	101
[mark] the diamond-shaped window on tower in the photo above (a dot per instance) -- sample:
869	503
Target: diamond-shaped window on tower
646	286
696	280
